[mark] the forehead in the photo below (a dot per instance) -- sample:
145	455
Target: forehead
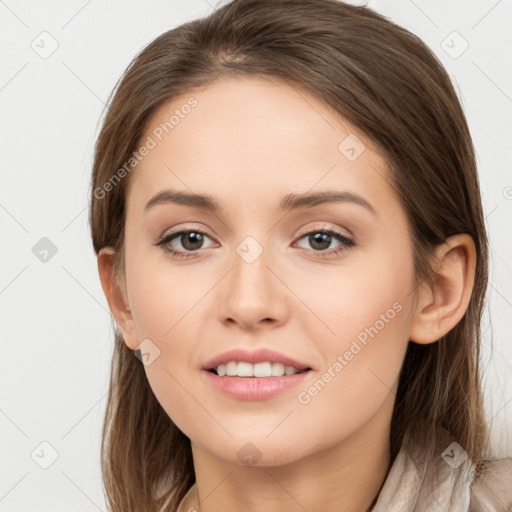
255	138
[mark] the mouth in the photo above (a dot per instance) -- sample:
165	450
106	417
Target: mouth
263	369
249	384
260	374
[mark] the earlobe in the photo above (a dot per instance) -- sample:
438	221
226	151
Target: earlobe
116	297
441	309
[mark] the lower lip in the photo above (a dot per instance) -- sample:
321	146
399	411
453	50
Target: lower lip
254	388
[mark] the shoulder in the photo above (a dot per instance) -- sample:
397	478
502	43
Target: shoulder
491	489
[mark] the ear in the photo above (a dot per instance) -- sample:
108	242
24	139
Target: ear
441	309
115	293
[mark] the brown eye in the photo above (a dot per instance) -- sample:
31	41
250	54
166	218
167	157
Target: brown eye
183	243
191	240
321	239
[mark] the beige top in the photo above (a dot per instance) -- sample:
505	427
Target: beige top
457	487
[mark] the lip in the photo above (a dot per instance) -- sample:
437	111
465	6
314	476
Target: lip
253	388
259	355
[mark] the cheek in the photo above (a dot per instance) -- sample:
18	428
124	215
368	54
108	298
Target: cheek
163	295
168	304
361	326
361	363
342	303
361	367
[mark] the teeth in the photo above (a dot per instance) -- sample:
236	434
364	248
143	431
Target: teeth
244	369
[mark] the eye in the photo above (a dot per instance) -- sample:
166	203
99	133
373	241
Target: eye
192	240
321	239
189	239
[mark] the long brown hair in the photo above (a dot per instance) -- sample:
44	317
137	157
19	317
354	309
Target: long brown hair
388	84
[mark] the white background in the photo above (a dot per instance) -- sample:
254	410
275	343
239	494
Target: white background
55	330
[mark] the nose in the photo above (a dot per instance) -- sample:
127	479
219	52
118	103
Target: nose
253	296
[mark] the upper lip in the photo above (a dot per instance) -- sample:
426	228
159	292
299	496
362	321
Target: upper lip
260	355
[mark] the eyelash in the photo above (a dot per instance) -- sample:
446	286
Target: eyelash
345	242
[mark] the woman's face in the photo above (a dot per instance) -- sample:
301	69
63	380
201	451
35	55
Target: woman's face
264	271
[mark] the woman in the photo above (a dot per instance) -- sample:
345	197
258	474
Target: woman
286	212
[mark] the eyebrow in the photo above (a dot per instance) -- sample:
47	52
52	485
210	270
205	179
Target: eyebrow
288	202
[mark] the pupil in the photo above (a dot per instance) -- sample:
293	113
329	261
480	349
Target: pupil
320	238
189	238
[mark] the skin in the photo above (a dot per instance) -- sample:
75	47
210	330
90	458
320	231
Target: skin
248	143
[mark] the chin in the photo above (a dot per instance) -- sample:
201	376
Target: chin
256	451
